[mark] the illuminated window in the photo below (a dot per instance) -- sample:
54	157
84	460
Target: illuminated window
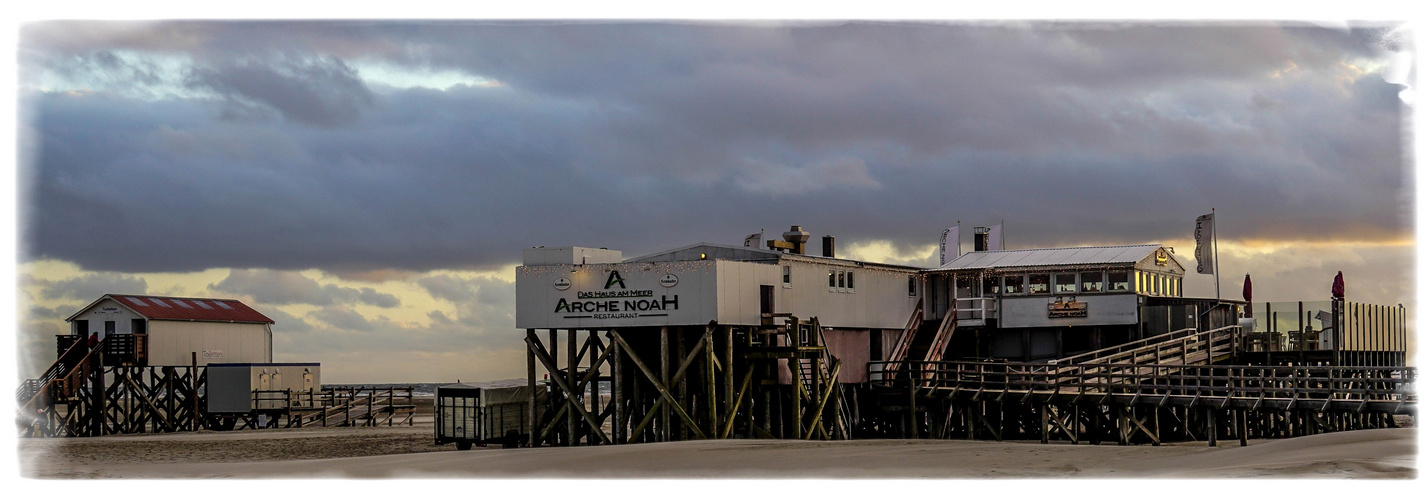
990	285
1091	282
1064	283
1039	283
1119	281
1015	284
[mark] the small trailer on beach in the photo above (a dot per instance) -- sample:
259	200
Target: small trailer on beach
469	415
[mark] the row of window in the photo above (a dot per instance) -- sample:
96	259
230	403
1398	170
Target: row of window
1159	284
1077	283
1148	283
837	280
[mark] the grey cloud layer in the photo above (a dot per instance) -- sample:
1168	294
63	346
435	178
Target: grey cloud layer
290	287
91	286
645	136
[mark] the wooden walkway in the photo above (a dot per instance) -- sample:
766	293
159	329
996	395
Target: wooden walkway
1150	402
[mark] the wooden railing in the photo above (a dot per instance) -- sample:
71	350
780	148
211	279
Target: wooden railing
903	347
66	373
1105	353
1390	389
339	406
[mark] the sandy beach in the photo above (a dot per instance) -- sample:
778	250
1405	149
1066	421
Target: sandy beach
409	452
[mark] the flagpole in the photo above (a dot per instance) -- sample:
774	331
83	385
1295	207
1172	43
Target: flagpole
1216	293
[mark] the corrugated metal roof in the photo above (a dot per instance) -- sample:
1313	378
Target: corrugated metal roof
187	309
1049	257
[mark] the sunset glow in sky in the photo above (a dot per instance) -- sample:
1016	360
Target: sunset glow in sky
370	184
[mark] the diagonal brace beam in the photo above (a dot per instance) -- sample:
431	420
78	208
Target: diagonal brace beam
538	348
664	395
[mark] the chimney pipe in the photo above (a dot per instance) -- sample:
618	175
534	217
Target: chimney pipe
798	238
829	246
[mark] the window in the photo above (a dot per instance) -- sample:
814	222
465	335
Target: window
1178	287
911	286
1091	282
990	286
1015	284
787	274
841	279
851	283
1119	281
1039	283
831	279
1139	282
1064	283
138	325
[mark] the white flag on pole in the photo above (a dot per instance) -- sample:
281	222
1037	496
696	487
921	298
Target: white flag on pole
953	236
1203	244
994	240
754	240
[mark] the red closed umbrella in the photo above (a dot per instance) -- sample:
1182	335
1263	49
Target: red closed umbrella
1338	287
1248	292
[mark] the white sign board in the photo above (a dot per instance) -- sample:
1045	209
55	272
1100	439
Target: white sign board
615	295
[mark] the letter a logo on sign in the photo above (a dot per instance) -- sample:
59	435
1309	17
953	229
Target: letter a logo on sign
614	279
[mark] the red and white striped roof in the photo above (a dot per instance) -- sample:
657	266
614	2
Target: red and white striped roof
185	309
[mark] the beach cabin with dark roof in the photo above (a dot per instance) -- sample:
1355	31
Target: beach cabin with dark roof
167	331
1040	304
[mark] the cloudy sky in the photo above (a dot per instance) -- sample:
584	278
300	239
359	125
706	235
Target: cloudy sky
370	184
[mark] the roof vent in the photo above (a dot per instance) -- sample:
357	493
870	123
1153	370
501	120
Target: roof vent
795	241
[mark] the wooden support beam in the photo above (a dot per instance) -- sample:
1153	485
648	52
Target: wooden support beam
664	394
662	432
680	386
530	374
571	397
733	409
710	381
621	407
549	365
729	401
822	402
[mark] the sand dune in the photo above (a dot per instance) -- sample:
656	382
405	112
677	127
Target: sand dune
408	452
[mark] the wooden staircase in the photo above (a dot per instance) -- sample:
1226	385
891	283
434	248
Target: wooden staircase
921	342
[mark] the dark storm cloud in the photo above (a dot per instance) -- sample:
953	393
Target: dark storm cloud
291	287
646	136
322	92
91	286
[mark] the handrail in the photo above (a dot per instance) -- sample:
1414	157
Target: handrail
1084	357
52	378
903	346
1320	385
